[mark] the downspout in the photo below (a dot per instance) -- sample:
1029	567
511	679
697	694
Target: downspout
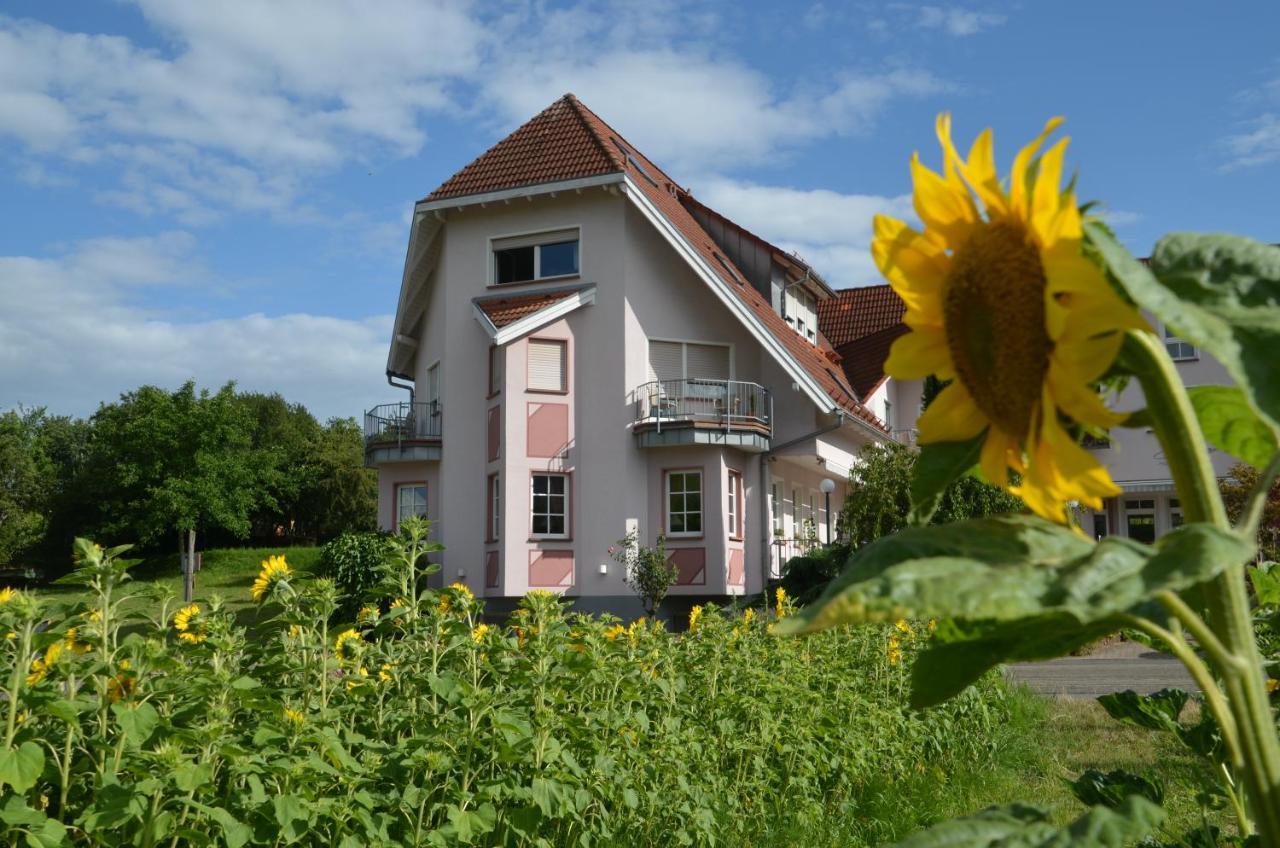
391	375
766	518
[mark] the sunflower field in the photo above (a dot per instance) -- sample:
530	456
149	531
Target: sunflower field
420	723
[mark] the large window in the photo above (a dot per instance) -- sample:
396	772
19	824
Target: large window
1140	519
684	503
524	260
547	365
775	509
1178	349
688	360
411	500
735	504
550	506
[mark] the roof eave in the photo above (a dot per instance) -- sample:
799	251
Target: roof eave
525	191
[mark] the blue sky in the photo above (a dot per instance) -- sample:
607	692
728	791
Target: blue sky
222	191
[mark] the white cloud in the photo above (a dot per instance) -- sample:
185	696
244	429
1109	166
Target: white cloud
1121	217
1257	144
956	21
831	231
76	330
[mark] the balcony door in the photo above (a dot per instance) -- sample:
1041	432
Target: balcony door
673	360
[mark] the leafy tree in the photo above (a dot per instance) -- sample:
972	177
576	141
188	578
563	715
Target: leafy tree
339	494
879	498
1235	491
24	484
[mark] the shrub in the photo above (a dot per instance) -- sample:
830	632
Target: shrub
353	561
422	725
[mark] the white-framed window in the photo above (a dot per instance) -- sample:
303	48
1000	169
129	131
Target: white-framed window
775	509
497	358
1100	530
684	503
734	506
411	500
796	518
677	360
495	507
888	415
549	506
524	259
548	365
1179	351
1175	514
801	311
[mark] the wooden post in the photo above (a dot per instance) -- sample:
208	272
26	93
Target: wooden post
189	568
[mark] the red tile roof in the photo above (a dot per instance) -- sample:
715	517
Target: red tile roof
507	310
863	358
854	313
554	145
568	141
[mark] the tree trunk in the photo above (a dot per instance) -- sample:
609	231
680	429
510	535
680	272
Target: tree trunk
189	568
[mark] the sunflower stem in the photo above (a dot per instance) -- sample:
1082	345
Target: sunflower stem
1230	619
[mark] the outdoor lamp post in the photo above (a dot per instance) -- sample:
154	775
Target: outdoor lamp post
828	486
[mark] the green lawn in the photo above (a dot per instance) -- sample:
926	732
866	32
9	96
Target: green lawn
228	572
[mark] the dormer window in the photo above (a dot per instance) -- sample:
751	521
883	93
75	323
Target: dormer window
801	311
525	259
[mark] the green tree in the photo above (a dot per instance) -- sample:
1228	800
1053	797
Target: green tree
1235	489
339	495
24	484
879	497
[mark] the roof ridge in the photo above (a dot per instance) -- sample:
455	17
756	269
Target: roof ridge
609	150
588	115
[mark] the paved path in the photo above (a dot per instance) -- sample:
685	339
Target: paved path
1111	668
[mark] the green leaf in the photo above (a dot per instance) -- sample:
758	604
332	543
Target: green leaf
1023	826
1266	583
17	813
137	721
1158	711
233	831
938	466
1110	789
1231	425
21	767
1013	568
1220	292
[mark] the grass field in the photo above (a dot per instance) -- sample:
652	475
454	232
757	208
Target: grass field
227	572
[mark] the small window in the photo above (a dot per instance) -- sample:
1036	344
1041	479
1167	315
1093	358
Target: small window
1175	514
495	507
411	500
888	415
547	365
550	506
1099	525
497	356
1178	349
524	263
775	509
684	503
734	507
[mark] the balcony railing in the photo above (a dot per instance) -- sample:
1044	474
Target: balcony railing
723	404
395	423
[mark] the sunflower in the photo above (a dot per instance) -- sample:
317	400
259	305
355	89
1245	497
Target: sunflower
189	624
40	665
274	569
1006	307
7	594
340	644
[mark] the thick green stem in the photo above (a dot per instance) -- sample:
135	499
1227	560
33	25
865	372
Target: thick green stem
1225	597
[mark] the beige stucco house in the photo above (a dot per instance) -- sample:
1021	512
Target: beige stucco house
587	351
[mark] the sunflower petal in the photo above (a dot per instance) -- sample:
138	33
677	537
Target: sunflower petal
1018	188
980	171
917	355
994	461
1046	197
944	207
914	265
1076	397
952	417
1077	475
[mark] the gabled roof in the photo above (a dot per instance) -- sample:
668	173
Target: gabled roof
556	144
508	317
854	313
567	141
863	358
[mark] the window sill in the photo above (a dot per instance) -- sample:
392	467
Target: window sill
550	538
559	279
561	392
736	538
686	537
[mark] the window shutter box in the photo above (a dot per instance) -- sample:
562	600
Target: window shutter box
666	360
547	365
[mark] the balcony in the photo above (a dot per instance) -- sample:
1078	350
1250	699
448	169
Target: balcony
402	432
704	412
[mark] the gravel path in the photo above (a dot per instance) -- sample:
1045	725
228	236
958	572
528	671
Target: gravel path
1111	668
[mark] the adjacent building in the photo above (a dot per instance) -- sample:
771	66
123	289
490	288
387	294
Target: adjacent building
587	351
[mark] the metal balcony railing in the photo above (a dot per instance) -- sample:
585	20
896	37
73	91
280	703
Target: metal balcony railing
730	404
402	422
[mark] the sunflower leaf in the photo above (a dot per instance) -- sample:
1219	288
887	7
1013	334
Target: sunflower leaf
1231	425
1023	826
1219	292
938	466
1013	568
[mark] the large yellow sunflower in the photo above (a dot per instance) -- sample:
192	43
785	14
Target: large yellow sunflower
1001	302
274	569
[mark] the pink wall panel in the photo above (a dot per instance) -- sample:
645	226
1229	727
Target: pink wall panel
491	570
692	563
551	568
737	567
548	429
495	433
